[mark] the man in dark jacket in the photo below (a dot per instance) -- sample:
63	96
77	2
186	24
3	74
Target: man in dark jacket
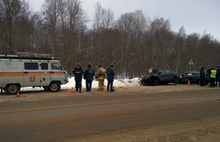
202	75
110	77
88	76
78	71
218	76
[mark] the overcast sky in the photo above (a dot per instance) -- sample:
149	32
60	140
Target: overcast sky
195	15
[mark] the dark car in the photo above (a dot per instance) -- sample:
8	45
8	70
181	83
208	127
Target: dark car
158	76
193	76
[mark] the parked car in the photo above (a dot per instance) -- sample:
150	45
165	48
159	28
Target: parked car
194	77
158	76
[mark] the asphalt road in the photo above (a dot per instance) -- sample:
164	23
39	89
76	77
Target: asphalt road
71	117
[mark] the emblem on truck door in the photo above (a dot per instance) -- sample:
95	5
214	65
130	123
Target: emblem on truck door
32	79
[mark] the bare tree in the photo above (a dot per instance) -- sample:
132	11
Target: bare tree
103	19
132	27
15	19
51	12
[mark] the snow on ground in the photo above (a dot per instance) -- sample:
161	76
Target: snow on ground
95	84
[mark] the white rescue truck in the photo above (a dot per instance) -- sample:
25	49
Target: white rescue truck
31	69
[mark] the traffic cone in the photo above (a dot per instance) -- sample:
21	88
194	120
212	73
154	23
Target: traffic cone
188	82
113	88
72	90
18	95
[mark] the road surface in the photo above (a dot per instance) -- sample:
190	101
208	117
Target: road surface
191	115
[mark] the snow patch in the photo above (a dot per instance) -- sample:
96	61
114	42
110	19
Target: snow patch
95	84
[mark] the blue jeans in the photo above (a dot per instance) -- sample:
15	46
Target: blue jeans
110	83
88	85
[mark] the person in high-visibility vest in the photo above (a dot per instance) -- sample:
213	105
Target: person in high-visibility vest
101	77
212	77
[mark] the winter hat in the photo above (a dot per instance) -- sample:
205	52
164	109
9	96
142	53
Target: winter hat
111	66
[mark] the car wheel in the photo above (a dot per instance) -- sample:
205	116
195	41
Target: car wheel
54	87
12	89
156	82
175	80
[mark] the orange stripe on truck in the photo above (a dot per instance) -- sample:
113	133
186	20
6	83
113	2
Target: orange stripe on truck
26	73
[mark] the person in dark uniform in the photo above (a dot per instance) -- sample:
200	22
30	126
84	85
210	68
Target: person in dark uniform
212	77
78	71
218	77
202	75
88	76
110	78
208	72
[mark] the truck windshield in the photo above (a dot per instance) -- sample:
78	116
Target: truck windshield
56	66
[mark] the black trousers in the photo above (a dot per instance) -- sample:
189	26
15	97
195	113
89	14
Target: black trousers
217	81
78	84
212	82
110	84
202	81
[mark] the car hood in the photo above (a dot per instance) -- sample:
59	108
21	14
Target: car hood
148	76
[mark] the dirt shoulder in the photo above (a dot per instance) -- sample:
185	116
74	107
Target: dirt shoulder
43	95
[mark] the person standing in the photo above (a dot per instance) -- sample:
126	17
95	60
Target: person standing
78	71
202	75
101	77
88	76
212	77
110	78
218	76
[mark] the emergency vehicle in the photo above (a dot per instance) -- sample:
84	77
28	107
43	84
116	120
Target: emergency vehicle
31	69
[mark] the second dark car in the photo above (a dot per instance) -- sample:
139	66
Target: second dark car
158	76
193	76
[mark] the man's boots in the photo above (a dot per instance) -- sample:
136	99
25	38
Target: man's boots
76	89
80	90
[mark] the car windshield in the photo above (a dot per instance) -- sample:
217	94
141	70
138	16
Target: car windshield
153	70
150	70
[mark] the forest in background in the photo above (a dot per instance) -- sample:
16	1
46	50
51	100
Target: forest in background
132	43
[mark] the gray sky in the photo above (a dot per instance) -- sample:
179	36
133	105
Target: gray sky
195	15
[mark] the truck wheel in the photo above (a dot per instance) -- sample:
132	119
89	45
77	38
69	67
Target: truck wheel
156	82
54	87
175	80
12	89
